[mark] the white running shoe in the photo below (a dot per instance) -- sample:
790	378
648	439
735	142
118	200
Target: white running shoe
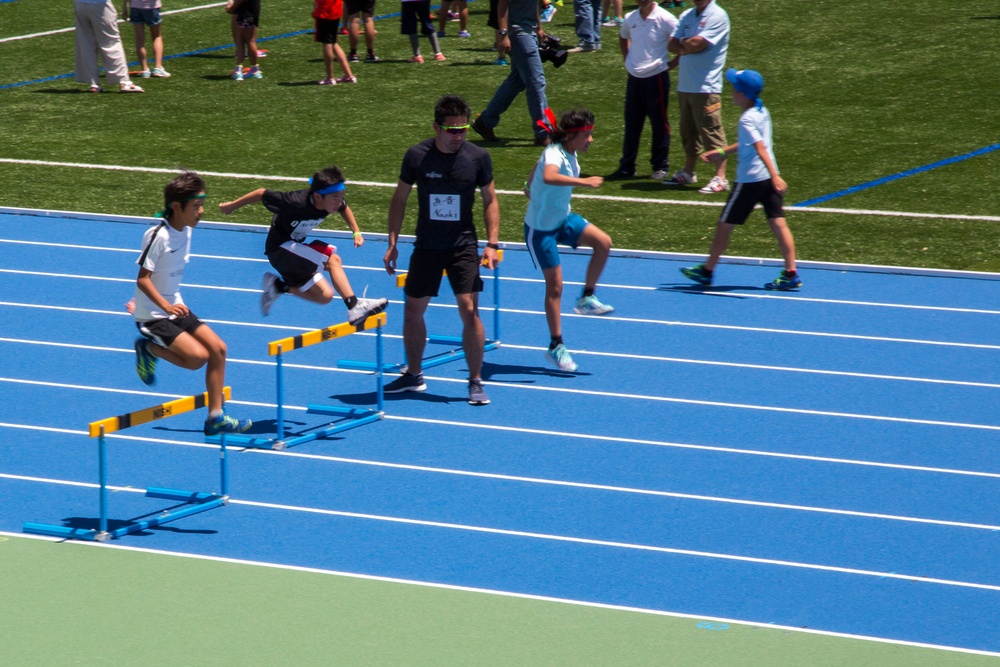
364	309
715	185
269	293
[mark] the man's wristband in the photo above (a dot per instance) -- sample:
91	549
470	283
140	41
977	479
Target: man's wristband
494	246
356	234
722	151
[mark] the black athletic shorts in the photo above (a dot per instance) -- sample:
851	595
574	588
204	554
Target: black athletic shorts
414	13
745	196
326	30
164	331
352	7
426	266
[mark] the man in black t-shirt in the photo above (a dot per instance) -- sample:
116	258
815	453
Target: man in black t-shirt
300	263
447	171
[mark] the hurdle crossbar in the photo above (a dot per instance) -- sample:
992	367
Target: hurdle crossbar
350	417
456	352
193	501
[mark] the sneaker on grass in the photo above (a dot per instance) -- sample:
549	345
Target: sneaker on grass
715	185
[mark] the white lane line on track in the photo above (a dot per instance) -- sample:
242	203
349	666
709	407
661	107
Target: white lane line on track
605	318
518	193
542	432
556	482
550	537
644	288
532	348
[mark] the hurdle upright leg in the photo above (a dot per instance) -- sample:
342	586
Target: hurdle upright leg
102	457
280	384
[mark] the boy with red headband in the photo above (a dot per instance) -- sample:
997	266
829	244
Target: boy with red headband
300	263
549	222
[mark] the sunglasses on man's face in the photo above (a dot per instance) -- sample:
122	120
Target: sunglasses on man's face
456	129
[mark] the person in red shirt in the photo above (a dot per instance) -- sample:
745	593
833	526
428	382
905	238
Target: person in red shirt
327	14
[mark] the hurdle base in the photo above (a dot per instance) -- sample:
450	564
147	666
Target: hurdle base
197	502
354	417
426	362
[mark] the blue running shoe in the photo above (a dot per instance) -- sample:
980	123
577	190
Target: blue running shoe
697	274
145	362
560	357
477	395
785	282
226	424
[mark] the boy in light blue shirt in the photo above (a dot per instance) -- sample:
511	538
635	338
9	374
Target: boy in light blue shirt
757	182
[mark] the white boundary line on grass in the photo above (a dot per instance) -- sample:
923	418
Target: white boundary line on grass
64	30
637	200
487	591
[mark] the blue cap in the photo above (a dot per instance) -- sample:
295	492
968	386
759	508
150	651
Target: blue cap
747	81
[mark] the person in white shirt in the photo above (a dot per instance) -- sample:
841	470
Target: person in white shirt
643	42
701	40
757	182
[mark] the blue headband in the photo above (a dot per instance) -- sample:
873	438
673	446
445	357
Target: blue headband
330	189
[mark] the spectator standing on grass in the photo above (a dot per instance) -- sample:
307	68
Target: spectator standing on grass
170	331
757	182
97	31
295	215
447	170
142	13
701	40
643	42
518	34
461	12
327	15
361	12
587	23
549	222
416	14
246	19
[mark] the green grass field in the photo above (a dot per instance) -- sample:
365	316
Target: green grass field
858	91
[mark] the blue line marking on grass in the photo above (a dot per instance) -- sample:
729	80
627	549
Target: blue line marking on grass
190	53
902	174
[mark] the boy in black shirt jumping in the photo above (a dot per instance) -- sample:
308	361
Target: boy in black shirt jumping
299	263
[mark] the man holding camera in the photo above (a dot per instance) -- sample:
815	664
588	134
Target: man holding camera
643	42
518	34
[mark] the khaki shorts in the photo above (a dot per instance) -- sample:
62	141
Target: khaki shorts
701	122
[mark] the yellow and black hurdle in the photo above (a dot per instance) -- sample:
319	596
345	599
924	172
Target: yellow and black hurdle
193	501
351	417
453	354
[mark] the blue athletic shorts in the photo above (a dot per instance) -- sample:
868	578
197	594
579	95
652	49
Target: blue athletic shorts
144	16
542	245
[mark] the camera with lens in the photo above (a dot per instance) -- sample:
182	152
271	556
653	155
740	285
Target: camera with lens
550	49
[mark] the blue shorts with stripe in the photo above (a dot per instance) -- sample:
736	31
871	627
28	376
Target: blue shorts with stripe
542	244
